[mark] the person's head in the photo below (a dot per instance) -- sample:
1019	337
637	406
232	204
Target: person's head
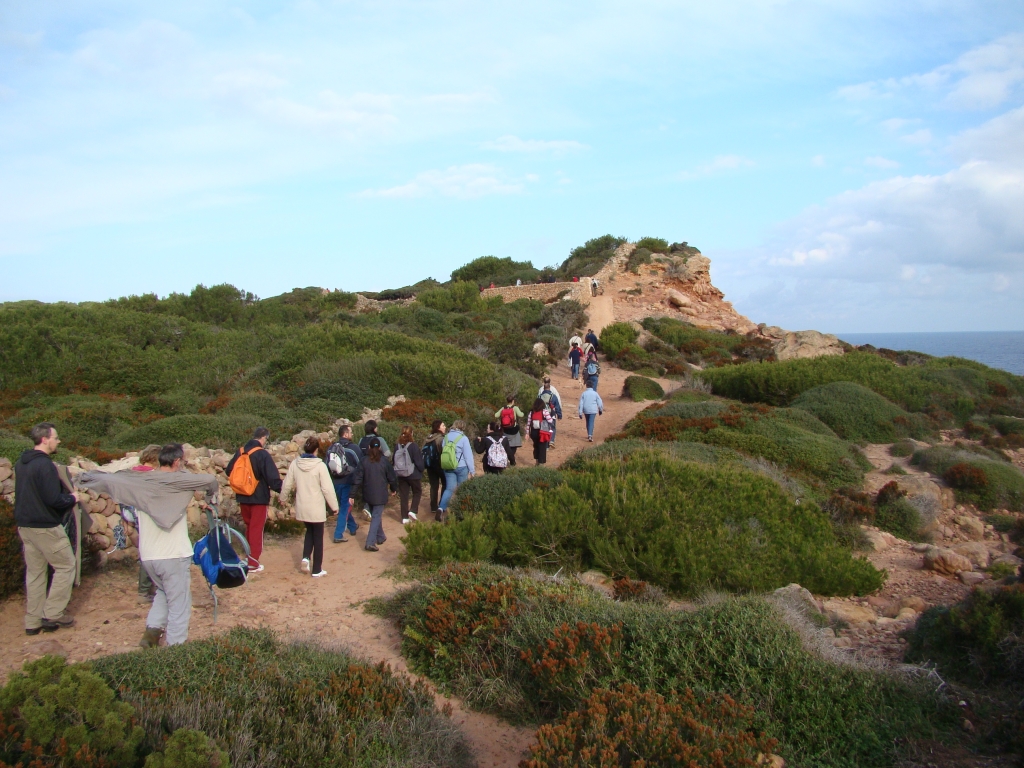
590	330
510	400
172	457
575	345
406	436
370	427
312	445
538	404
262	434
44	437
438	427
547	382
590	383
458	425
373	452
150	455
345	432
494	427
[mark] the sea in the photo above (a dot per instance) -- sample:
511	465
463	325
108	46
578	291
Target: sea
997	349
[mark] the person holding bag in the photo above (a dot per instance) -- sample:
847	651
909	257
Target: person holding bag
408	462
541	427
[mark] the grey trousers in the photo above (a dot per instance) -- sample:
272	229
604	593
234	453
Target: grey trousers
42	547
172	604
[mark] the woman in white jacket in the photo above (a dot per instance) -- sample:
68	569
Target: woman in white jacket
310	480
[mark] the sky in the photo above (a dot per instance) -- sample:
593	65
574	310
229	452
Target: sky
847	166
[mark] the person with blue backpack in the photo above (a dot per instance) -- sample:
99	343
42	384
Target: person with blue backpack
457	463
343	458
591	368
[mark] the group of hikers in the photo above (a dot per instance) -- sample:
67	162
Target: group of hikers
155	494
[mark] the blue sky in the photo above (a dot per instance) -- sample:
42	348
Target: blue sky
848	166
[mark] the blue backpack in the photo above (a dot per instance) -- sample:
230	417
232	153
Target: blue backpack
218	560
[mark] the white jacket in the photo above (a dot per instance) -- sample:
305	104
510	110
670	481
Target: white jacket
314	491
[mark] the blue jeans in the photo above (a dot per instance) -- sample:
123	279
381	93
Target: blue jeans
575	370
554	431
452	480
376	533
592	381
591	418
345	519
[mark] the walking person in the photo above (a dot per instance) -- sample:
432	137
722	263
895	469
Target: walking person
591	368
149	460
377	478
541	427
509	418
408	463
253	506
464	465
162	498
309	480
593	287
494	447
40	504
432	461
591	406
575	357
369	433
591	339
343	458
553	401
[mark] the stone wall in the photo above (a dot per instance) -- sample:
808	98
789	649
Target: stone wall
546	292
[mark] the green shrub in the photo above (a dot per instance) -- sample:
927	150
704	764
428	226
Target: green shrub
272	703
902	448
1001	570
900	518
493	623
617	337
854	412
588	258
1007	425
682	526
620	450
12	564
976	479
215	431
638	389
70	714
12	447
637	258
976	640
491	269
653	244
189	749
486	494
705	347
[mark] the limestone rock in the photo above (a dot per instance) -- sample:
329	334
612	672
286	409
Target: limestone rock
540	349
47	648
919	485
851	613
5	462
798	598
906	614
1008	559
5	472
677	299
976	552
972	527
971	578
946	561
797	345
877	541
915	603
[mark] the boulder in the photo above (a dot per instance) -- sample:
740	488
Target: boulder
540	349
5	462
876	540
976	552
5	472
906	614
1008	559
851	613
972	578
798	598
946	561
915	603
972	527
797	345
920	485
677	299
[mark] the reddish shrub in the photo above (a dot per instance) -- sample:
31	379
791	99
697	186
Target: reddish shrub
888	493
848	505
568	665
965	477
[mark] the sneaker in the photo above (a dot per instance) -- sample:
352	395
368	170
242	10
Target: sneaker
367	514
590	438
305	564
33	631
406	521
372	548
342	540
319	573
413	516
52	625
258	569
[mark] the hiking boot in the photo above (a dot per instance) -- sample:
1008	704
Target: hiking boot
33	630
52	625
342	540
406	521
151	637
372	548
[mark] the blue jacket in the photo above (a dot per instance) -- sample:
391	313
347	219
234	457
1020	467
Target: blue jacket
463	449
590	402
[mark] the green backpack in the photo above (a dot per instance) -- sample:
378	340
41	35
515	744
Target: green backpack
449	459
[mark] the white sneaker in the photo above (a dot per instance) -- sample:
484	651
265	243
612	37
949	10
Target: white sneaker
258	569
319	574
406	521
305	564
413	516
367	514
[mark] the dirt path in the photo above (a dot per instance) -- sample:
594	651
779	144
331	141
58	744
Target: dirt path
109	620
600	313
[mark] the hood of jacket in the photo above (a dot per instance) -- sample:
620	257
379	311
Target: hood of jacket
30	455
307	464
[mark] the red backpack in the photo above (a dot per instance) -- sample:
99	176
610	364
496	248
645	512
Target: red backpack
508	418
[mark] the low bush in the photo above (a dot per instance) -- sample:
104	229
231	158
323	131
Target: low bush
489	494
12	564
682	526
638	389
617	337
620	450
902	448
854	412
213	431
976	479
900	518
189	749
1007	425
631	727
638	258
277	704
976	640
821	713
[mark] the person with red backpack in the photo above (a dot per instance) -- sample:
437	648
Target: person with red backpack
508	418
541	425
494	447
257	470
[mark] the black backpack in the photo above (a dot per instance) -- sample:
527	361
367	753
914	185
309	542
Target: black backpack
431	456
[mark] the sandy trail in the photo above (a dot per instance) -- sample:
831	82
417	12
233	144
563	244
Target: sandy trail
108	619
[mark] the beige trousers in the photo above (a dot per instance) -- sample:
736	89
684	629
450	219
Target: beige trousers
42	547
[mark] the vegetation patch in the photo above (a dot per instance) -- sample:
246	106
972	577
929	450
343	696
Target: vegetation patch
854	413
638	389
988	483
821	714
12	564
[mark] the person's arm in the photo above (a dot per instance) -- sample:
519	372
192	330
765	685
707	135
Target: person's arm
270	474
556	406
384	447
286	490
417	457
478	445
231	464
467	457
392	478
579	410
327	488
51	491
600	404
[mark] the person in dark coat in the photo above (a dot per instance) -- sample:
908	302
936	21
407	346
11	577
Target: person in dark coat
483	444
39	507
591	338
254	507
408	463
377	478
432	448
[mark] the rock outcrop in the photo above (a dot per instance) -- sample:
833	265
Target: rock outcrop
796	345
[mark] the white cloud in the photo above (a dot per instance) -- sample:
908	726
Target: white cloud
880	162
721	164
459	181
516	144
920	137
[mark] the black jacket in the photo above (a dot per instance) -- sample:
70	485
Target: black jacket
376	478
39	498
416	455
591	338
264	468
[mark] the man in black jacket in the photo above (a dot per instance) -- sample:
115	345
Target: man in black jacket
254	507
39	507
